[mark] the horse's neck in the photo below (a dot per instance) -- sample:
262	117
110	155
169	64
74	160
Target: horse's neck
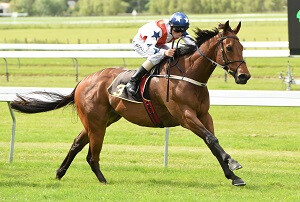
196	66
201	68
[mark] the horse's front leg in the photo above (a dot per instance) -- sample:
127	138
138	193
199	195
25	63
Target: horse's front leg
192	122
227	163
93	157
207	121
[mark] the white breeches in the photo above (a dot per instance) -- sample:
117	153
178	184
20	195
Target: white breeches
149	53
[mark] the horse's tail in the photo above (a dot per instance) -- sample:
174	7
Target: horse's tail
51	101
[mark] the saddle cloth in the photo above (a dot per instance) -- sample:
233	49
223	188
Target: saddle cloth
118	88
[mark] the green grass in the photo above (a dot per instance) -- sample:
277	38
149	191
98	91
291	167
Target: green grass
267	147
135	173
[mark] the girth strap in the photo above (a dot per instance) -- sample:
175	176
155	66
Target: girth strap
148	105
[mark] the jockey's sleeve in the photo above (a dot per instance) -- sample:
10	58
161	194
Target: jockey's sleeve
150	48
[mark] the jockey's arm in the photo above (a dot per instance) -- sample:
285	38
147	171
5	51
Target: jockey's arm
150	48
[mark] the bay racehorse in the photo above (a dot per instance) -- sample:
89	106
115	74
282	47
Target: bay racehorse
188	103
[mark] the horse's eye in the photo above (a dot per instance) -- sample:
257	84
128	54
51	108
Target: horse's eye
229	48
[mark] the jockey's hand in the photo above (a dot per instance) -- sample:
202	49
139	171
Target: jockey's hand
170	52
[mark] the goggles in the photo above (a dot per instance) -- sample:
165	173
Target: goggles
179	29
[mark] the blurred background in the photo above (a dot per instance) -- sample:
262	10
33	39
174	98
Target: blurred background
123	7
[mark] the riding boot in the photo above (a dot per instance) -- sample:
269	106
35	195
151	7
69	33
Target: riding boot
132	85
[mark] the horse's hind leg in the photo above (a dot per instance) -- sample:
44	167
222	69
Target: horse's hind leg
80	141
93	157
96	141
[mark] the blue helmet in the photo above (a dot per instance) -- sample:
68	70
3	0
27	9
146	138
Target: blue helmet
179	20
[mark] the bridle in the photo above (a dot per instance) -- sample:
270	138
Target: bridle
225	59
225	66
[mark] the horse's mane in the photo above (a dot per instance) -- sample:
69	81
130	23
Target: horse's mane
185	50
204	35
201	37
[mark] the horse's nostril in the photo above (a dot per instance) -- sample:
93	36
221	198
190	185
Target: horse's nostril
243	77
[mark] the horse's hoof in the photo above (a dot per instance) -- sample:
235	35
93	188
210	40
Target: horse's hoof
103	182
102	179
234	165
58	177
238	182
60	173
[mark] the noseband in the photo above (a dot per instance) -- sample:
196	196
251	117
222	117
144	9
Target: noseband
224	56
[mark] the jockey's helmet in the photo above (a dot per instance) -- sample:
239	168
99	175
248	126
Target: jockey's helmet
179	20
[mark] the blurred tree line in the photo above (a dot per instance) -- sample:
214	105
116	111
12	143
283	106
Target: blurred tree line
217	6
115	7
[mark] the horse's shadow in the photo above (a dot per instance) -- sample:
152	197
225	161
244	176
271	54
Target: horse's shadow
170	182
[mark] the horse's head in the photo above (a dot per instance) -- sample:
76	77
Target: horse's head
229	53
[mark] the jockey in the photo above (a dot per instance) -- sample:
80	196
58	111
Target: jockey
151	40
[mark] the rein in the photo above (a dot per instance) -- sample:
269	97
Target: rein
168	73
197	83
176	77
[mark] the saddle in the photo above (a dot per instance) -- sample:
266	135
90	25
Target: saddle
118	89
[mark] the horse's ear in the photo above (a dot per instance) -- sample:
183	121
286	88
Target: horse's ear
237	29
226	27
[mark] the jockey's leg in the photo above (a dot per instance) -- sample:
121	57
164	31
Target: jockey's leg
132	85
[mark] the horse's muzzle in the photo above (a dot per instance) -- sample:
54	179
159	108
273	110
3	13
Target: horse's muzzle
242	78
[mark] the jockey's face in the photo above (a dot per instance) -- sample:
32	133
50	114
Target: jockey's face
176	35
